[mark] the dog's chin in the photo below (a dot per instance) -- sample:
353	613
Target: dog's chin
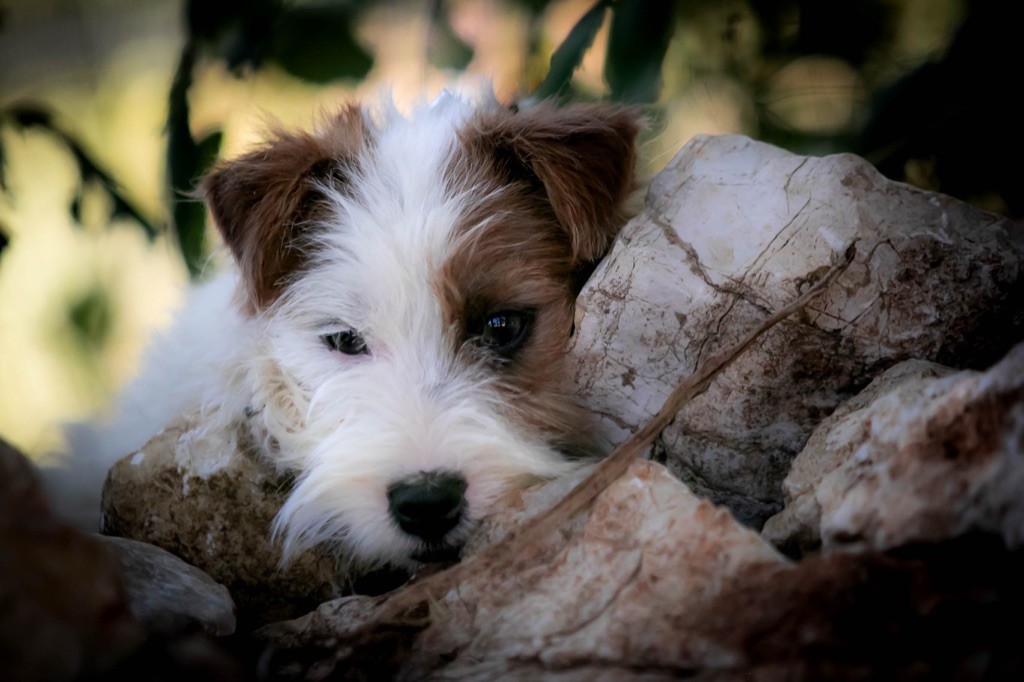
444	554
425	561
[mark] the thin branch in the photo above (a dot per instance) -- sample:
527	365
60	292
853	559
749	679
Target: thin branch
509	552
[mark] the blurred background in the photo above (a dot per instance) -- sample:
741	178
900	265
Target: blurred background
110	110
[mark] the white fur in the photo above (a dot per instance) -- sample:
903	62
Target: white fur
350	425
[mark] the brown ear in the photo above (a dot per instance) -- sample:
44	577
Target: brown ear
263	202
584	156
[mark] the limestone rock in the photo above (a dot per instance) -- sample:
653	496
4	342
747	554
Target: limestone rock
795	528
63	612
654	580
654	583
922	455
205	498
734	229
615	592
167	595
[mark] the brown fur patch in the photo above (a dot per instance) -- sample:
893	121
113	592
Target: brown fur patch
265	201
553	183
520	261
583	156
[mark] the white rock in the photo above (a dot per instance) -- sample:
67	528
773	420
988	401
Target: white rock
734	229
613	589
655	583
922	455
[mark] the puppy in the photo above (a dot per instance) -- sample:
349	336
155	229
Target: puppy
394	331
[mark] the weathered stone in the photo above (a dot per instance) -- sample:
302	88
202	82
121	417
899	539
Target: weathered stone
654	583
209	500
922	455
610	593
63	612
734	229
652	580
167	595
613	592
795	528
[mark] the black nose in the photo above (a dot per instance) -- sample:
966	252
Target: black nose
429	504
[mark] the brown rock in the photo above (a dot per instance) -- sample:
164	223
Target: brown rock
922	612
922	455
210	501
63	612
734	229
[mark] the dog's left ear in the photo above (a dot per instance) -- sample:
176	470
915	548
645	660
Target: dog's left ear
584	156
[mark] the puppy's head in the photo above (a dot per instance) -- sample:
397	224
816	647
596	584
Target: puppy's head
410	285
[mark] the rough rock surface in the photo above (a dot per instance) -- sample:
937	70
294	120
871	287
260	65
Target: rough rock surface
613	591
205	498
63	612
168	596
734	229
610	593
655	583
923	454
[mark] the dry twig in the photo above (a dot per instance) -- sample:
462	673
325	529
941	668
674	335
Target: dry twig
508	551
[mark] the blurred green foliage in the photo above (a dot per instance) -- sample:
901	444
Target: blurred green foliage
920	116
637	42
447	49
90	319
314	42
567	57
23	115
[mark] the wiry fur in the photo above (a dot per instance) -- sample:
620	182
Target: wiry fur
408	230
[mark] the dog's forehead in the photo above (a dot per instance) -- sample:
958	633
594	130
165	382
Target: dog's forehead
386	234
429	229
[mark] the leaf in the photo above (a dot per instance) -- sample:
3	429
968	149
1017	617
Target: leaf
239	31
184	164
316	43
29	115
208	20
3	168
123	209
76	207
91	318
534	7
207	149
568	56
447	50
637	42
91	172
190	213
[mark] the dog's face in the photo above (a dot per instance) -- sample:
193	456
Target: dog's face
412	283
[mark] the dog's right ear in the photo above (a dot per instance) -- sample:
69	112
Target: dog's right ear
582	155
263	202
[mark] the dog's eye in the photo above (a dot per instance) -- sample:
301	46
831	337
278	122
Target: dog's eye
347	342
505	331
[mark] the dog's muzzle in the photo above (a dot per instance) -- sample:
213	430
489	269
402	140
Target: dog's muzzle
428	505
